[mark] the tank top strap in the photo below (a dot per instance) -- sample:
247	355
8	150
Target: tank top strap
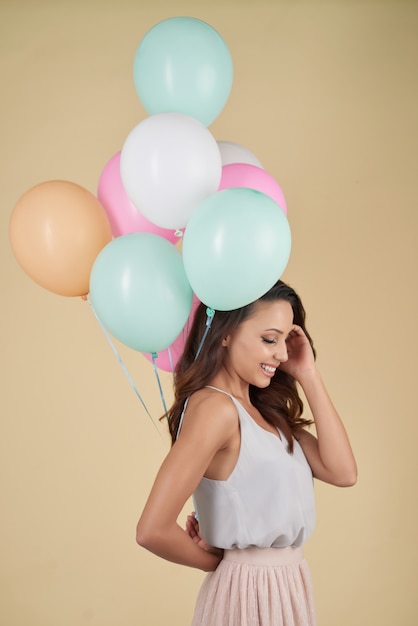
242	413
220	390
187	401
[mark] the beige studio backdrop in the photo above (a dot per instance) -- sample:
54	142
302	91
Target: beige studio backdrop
326	95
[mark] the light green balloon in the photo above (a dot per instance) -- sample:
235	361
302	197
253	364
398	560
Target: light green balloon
140	292
236	246
183	65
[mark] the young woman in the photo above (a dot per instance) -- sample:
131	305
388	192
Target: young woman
241	447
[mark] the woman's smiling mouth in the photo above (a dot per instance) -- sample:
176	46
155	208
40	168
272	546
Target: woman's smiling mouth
268	369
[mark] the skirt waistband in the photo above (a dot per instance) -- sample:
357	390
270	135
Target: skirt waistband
265	556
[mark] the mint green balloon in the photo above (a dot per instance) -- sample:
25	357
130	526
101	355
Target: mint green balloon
140	292
183	65
236	246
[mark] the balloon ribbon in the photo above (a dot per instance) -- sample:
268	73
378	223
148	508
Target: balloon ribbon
154	356
209	317
122	364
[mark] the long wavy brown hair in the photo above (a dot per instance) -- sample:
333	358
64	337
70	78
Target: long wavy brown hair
279	403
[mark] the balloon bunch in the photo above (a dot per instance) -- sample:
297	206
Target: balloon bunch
171	180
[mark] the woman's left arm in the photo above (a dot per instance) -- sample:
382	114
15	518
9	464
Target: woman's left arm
329	454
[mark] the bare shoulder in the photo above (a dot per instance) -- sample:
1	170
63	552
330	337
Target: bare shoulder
211	413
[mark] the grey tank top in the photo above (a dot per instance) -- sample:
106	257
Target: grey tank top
268	499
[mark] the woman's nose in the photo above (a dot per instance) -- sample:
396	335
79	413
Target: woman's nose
281	353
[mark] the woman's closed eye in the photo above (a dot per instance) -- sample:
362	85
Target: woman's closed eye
266	340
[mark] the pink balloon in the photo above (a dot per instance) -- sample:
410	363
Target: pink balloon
162	360
123	216
252	177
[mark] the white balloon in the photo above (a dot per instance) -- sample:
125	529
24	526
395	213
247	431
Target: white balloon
169	164
235	153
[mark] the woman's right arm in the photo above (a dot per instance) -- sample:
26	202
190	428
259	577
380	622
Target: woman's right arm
207	427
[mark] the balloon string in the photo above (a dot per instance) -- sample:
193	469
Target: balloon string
170	357
154	356
209	317
122	364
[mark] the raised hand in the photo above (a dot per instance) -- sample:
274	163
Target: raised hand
300	355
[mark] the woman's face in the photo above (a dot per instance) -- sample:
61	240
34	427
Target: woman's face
256	348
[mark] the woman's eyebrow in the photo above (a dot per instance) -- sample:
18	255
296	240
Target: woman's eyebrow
275	330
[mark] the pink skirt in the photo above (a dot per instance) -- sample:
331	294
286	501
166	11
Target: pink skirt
257	587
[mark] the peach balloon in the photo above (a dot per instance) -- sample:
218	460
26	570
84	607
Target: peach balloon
57	229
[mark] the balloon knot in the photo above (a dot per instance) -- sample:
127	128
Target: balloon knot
210	313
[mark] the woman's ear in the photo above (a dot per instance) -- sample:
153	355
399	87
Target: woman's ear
225	341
